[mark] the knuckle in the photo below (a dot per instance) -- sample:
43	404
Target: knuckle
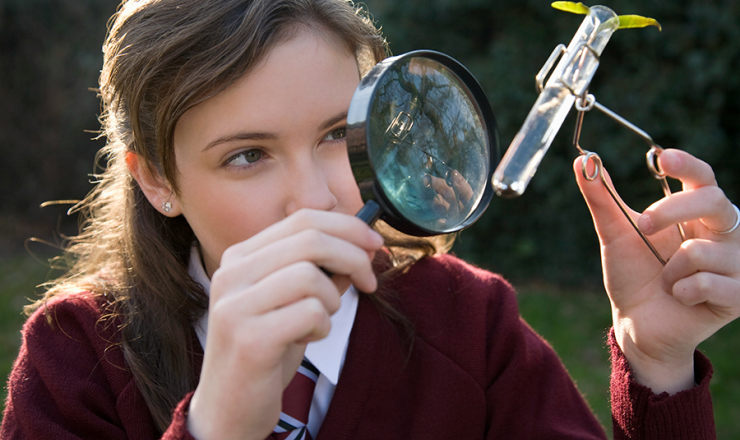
230	253
707	171
226	313
312	238
304	217
333	301
220	280
714	194
705	283
314	286
314	310
702	284
694	251
693	290
306	273
323	328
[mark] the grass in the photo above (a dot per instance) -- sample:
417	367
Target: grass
19	277
574	322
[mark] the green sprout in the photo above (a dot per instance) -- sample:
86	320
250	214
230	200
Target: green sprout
625	21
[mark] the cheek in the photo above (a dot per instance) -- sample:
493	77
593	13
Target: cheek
223	216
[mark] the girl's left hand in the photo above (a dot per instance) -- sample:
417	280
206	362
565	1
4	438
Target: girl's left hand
661	314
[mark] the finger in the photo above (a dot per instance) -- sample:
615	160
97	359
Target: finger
721	294
461	186
285	286
303	321
707	203
693	172
342	226
441	187
696	256
440	206
327	251
333	254
712	223
609	220
265	337
343	282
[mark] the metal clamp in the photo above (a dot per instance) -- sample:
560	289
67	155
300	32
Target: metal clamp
651	156
401	125
547	67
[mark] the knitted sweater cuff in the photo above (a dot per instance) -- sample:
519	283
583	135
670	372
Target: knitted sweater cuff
637	412
178	430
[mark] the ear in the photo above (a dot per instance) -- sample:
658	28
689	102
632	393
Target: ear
154	187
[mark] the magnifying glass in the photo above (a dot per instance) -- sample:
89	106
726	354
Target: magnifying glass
423	144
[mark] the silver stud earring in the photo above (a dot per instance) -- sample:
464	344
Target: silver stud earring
167	206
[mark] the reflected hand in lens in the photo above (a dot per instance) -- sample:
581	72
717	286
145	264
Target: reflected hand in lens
452	196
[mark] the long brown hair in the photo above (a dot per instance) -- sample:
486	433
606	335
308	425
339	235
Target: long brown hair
161	59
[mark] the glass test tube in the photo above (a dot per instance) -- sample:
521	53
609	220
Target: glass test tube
570	78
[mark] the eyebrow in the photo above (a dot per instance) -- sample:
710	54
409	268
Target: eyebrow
333	121
243	136
262	136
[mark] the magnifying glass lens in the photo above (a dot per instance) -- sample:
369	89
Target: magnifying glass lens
428	144
422	143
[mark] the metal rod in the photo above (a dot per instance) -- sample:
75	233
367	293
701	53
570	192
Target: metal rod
624	122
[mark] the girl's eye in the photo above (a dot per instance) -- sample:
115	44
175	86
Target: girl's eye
245	157
335	135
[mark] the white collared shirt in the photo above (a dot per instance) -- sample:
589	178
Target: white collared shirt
327	355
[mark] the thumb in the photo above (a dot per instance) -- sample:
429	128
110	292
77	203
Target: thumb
609	221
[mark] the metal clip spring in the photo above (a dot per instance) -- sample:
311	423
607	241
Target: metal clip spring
651	157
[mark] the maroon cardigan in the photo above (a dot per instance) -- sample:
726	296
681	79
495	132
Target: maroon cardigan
474	370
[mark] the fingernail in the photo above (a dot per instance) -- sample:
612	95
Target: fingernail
376	238
670	160
645	224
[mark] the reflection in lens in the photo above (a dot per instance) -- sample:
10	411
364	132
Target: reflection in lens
428	144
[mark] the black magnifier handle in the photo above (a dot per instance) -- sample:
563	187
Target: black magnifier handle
369	214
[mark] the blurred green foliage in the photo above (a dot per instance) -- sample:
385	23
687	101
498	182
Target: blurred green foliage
680	85
50	58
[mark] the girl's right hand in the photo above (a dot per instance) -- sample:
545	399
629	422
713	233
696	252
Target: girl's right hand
268	299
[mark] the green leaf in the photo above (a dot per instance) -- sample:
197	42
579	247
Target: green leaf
576	8
637	21
625	21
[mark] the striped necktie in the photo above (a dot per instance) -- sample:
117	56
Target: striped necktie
296	404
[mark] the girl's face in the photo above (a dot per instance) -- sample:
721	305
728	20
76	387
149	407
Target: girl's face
269	145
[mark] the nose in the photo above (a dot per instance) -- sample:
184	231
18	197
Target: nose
309	188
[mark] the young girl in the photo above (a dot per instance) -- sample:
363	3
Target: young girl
197	293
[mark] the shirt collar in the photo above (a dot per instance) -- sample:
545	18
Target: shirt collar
326	354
